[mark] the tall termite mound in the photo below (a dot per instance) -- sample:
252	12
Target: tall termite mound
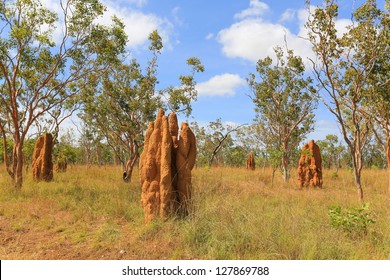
250	162
310	166
165	168
185	162
42	164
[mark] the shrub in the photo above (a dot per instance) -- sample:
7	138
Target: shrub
354	221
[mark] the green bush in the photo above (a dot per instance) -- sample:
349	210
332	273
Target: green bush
354	221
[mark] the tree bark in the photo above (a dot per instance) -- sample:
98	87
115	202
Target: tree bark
359	185
19	167
6	159
128	173
286	173
357	168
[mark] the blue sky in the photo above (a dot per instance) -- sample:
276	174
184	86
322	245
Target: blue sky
229	36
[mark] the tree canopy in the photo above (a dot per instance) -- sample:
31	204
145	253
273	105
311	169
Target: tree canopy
40	76
284	104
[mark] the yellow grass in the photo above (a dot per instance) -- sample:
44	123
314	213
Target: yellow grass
237	214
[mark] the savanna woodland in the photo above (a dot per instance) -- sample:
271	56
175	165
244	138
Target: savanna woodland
127	180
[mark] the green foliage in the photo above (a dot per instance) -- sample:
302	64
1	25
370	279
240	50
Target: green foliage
118	106
354	221
28	149
352	70
179	98
237	156
41	75
284	105
217	144
9	146
67	149
331	151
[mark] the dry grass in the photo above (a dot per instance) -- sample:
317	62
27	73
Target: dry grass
237	214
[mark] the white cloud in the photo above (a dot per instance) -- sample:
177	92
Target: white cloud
323	128
341	26
288	15
138	3
138	25
175	13
210	36
256	8
221	85
252	39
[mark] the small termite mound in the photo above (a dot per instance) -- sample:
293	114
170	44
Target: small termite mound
250	162
165	168
42	164
310	166
61	164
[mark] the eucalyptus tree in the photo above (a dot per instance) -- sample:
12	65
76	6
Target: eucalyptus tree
219	143
373	36
284	104
345	67
125	100
38	73
221	137
331	151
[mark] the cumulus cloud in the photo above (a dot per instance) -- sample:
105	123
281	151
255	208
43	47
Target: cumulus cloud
288	15
256	8
253	37
138	25
221	85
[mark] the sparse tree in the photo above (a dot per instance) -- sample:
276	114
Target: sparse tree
38	74
220	136
217	144
374	48
331	151
284	105
122	102
344	69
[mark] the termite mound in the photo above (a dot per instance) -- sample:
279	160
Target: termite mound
310	166
165	168
42	164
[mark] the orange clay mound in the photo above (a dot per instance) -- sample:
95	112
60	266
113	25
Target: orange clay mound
185	162
250	162
165	168
61	165
310	166
42	164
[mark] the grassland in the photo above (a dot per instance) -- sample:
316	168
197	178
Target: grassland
237	214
